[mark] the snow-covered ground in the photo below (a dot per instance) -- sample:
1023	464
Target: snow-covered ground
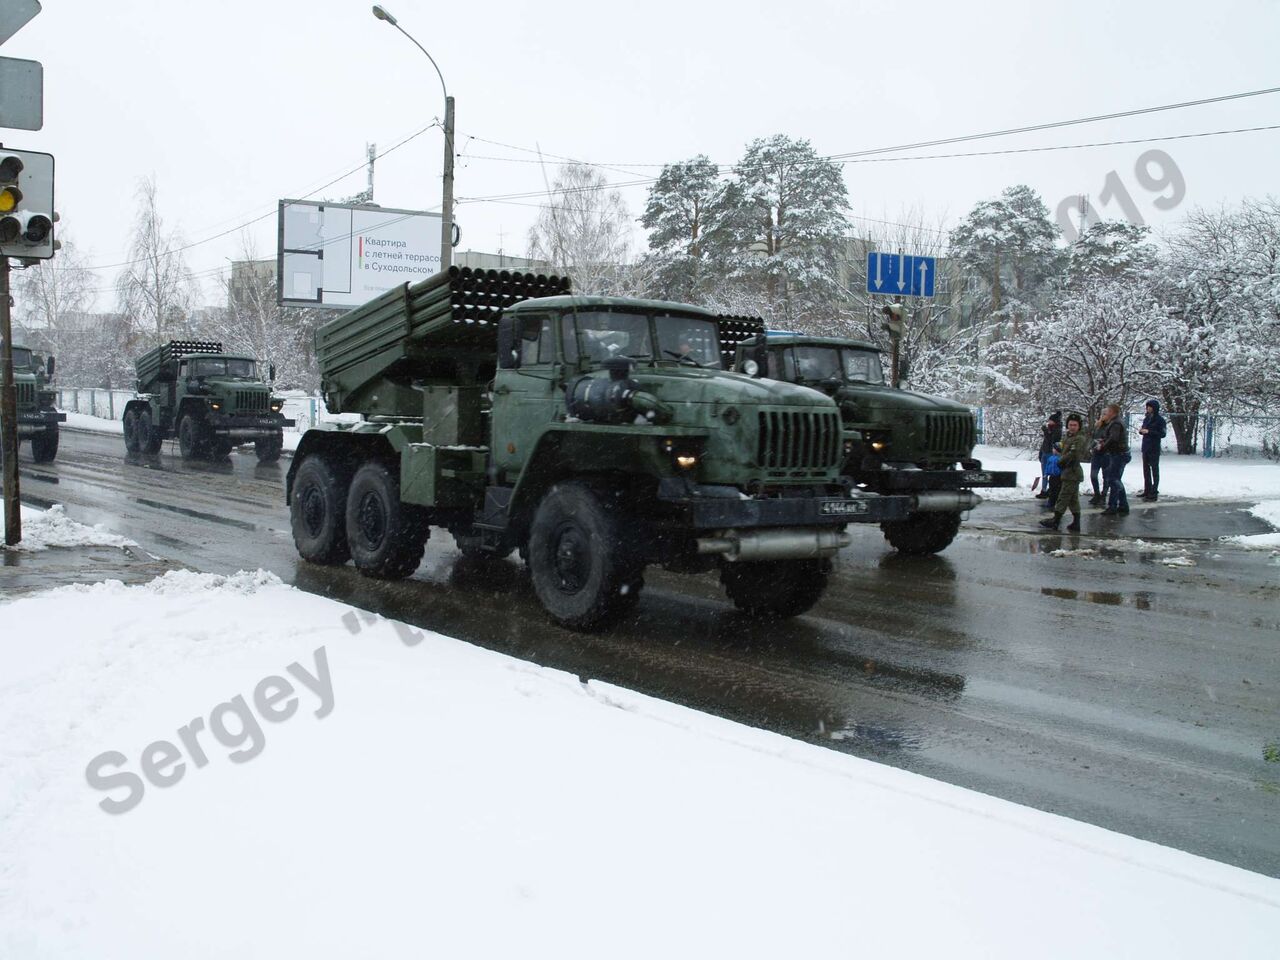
42	529
1198	477
305	780
1268	511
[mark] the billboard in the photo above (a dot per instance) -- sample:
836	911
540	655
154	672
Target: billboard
343	254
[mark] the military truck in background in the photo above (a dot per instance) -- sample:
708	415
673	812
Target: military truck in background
896	442
210	400
38	416
594	435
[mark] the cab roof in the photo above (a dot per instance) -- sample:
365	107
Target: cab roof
609	303
216	356
781	339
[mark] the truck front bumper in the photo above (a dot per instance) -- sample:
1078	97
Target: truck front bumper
723	508
244	428
915	480
32	422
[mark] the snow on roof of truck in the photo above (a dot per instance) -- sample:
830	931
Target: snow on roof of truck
608	303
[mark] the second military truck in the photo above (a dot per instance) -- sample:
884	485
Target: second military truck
594	435
896	442
210	400
38	417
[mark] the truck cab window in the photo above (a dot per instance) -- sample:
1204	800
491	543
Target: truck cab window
537	343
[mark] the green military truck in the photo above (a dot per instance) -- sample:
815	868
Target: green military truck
896	442
210	400
594	435
38	416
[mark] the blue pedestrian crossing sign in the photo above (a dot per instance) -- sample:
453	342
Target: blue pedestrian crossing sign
901	274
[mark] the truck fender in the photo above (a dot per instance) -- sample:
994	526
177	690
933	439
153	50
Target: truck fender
546	467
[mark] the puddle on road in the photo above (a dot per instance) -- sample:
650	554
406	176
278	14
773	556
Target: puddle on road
874	737
1141	600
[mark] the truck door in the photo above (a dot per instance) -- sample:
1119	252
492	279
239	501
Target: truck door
526	399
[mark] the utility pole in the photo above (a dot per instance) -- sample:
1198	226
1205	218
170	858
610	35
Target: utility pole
8	415
446	219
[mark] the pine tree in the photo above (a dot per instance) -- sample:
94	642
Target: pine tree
677	213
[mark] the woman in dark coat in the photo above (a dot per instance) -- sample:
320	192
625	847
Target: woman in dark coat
1051	433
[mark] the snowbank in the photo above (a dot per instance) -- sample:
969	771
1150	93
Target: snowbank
42	529
1192	476
1269	512
340	785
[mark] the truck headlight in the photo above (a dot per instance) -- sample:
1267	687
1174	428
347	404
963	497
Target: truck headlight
215	404
683	451
686	461
276	405
878	442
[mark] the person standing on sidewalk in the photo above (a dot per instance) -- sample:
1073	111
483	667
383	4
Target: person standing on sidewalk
1097	463
1153	430
1051	433
1115	444
1075	450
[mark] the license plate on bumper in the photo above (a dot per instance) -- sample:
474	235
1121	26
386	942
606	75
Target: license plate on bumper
844	508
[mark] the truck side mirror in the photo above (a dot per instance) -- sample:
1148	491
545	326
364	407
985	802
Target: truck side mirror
48	367
271	373
508	356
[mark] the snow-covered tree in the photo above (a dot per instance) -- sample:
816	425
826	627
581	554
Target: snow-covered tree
676	215
776	226
1010	243
53	297
155	290
1112	249
584	230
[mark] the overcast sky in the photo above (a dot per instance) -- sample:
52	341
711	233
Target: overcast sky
235	104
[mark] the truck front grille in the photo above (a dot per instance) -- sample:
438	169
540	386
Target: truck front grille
949	433
26	394
798	440
250	401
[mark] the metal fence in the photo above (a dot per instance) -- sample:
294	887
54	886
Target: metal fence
1215	435
109	405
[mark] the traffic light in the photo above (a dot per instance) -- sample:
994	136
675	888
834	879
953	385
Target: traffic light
893	320
26	205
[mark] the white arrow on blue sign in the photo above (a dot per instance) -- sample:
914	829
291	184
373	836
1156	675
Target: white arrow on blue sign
901	274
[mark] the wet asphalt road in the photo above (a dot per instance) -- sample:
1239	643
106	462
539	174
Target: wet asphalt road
1110	688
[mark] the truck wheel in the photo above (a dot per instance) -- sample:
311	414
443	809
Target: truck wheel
580	561
387	537
922	533
191	439
317	513
131	441
775	589
219	450
44	446
268	448
148	436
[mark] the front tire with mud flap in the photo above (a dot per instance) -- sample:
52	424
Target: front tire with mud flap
922	533
386	536
148	436
44	446
775	589
268	448
317	512
192	442
582	559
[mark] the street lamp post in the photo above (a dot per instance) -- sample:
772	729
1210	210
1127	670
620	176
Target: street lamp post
446	219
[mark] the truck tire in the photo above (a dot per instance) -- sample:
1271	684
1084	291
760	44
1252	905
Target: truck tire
219	449
317	513
268	448
775	589
44	446
580	560
191	437
386	536
922	533
131	440
148	436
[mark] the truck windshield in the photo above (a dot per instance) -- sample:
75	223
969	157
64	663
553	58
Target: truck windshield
21	358
224	367
812	364
688	338
607	335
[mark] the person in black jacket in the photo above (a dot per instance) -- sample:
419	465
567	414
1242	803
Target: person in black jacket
1115	444
1097	463
1051	433
1153	430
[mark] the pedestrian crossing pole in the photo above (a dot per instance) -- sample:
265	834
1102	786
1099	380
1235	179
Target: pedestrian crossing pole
8	414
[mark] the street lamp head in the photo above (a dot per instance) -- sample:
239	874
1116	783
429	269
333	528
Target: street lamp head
380	12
